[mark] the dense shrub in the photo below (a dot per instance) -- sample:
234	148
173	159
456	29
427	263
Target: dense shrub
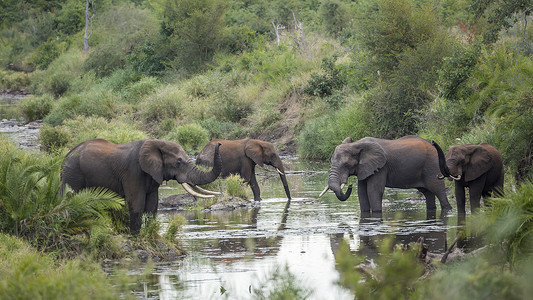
118	132
192	137
35	108
53	138
10	80
104	59
30	274
323	85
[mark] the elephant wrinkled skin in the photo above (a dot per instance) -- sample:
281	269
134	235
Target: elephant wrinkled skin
241	156
408	162
134	171
478	167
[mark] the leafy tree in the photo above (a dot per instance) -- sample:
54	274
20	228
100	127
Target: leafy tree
334	14
501	15
194	28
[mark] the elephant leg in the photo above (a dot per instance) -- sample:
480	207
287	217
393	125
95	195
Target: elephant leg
460	197
362	194
430	198
375	189
136	204
151	203
476	190
255	186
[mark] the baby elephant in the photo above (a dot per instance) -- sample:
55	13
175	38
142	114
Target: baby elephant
134	171
241	156
408	162
478	167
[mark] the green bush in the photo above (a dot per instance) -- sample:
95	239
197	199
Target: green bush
35	108
192	137
46	53
53	138
104	59
235	186
116	131
29	274
323	85
59	84
139	89
220	129
32	207
11	80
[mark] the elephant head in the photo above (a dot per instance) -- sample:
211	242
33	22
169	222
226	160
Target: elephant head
361	158
466	162
264	153
168	161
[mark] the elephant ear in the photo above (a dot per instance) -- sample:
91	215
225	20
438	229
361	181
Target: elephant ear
254	151
478	162
371	159
151	159
347	140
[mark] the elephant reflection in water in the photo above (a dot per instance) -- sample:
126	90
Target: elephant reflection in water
369	243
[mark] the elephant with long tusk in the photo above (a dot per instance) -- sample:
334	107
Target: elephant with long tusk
478	167
135	171
241	157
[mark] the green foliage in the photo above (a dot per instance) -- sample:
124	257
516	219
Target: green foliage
53	138
11	80
323	85
192	137
46	53
194	28
139	89
35	108
118	132
500	16
235	186
104	59
174	227
319	137
396	275
220	129
29	274
281	284
32	207
455	70
508	224
335	16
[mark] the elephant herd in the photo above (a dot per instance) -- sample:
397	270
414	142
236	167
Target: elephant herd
135	170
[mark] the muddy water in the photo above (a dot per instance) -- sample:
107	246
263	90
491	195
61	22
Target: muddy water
239	250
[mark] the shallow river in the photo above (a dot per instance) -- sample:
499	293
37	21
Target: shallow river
239	250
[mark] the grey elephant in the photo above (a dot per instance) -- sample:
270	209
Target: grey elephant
241	156
135	171
478	167
408	162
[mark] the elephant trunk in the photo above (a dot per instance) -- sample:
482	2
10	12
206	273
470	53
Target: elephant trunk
334	184
285	185
198	177
442	160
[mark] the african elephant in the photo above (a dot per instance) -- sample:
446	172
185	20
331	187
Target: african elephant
408	162
241	156
134	171
478	167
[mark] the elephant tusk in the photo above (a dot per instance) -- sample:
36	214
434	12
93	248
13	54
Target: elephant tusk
440	176
323	192
342	186
280	173
208	192
458	177
189	190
